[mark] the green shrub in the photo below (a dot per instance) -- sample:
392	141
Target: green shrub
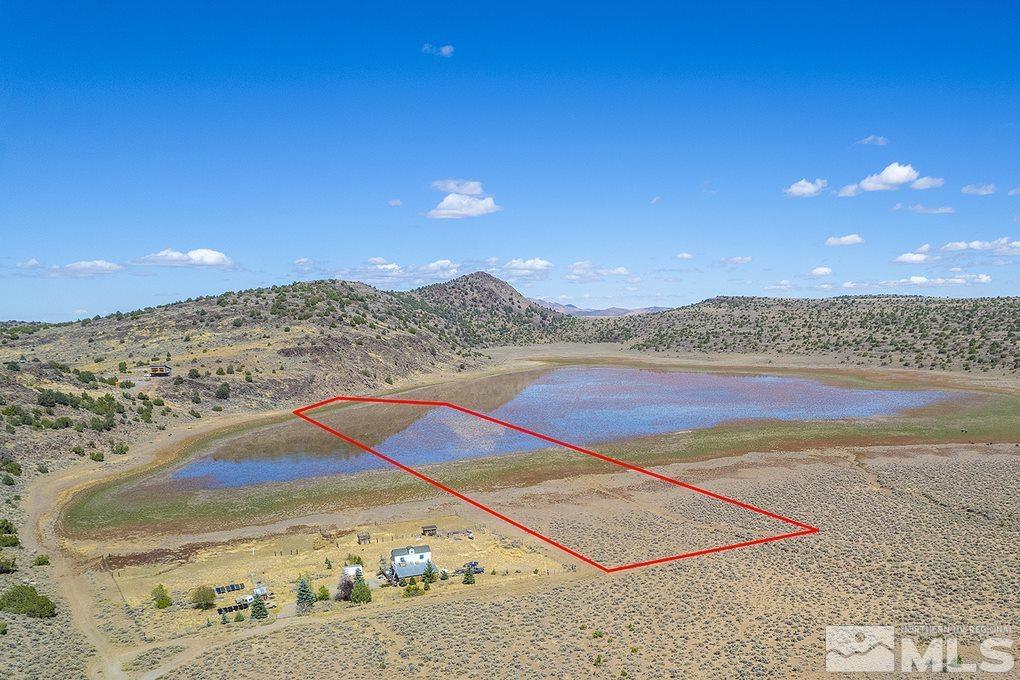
203	597
8	565
9	541
193	374
361	593
41	561
97	456
161	597
24	599
7	527
223	391
322	593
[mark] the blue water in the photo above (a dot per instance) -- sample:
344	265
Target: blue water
582	405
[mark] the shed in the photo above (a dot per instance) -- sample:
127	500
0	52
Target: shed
159	370
429	530
364	538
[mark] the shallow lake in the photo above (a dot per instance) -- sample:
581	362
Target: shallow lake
582	405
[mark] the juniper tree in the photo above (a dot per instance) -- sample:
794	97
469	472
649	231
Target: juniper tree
469	578
361	593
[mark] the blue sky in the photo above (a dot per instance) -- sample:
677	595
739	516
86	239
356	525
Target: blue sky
154	153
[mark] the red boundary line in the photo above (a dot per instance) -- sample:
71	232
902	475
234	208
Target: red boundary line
803	529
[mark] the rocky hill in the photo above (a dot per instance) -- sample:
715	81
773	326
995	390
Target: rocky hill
484	311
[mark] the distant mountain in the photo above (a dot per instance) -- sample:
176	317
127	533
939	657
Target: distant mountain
607	313
484	311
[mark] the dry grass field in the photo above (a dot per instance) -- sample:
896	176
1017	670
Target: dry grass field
899	543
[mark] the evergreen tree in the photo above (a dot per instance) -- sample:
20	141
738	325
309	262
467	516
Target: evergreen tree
361	593
305	596
469	577
322	593
258	608
429	575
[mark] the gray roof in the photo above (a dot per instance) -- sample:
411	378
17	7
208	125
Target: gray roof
409	570
409	550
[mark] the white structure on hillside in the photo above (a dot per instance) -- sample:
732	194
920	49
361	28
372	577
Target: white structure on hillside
410	561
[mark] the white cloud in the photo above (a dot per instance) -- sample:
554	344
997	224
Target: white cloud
876	140
848	240
199	257
518	268
394	202
821	271
85	269
462	200
978	189
378	271
444	268
656	199
918	256
457	206
893	176
924	281
586	271
805	189
1000	246
849	191
469	187
684	256
780	285
437	51
740	259
927	183
1014	192
30	263
924	210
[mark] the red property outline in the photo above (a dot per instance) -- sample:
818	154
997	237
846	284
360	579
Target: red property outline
803	529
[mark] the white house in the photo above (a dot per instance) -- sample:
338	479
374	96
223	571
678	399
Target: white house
353	571
410	561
